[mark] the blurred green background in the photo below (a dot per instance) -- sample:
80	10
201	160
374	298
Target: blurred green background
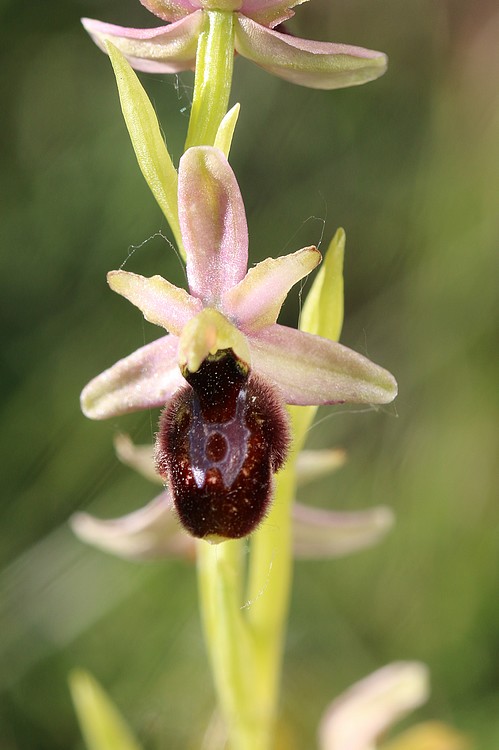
408	165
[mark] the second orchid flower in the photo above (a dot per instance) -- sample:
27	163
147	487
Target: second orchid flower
250	28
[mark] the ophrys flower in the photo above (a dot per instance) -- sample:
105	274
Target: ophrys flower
224	350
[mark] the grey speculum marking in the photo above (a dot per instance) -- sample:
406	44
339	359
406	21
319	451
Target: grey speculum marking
218	445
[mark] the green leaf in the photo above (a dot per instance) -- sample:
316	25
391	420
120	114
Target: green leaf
322	312
150	149
102	725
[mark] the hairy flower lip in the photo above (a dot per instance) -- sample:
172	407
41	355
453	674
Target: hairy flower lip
219	443
172	48
306	369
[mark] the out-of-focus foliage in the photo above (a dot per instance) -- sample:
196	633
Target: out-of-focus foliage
408	166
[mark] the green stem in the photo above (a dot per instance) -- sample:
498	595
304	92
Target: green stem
213	78
220	573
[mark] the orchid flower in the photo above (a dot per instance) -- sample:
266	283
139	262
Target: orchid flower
251	30
224	340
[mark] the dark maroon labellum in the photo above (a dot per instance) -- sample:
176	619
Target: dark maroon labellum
220	440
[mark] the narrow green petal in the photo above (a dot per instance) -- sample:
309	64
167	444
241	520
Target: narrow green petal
225	133
168	10
270	13
153	157
160	302
322	312
102	725
257	300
